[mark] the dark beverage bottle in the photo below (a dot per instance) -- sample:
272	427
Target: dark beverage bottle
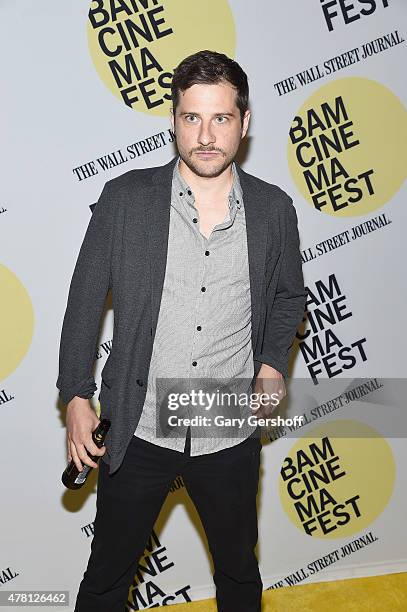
72	478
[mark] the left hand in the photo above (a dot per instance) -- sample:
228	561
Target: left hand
270	382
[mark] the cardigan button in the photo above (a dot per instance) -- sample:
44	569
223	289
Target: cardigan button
139	382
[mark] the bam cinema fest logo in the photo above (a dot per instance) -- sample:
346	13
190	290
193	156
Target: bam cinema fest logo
347	11
337	480
346	147
17	323
325	353
136	44
147	590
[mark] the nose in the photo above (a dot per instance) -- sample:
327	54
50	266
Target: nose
206	135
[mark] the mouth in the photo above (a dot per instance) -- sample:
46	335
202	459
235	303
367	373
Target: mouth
206	154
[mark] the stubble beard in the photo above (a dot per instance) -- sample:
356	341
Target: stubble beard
209	169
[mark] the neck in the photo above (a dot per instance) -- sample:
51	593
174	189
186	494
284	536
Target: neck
207	188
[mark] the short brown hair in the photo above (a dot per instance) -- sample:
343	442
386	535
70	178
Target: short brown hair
210	67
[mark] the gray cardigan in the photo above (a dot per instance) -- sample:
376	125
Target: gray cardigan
125	248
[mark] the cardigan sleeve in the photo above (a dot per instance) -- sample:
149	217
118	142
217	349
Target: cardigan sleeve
87	293
285	312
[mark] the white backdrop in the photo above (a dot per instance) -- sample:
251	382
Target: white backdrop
60	112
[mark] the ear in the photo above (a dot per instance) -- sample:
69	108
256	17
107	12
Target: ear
245	123
172	118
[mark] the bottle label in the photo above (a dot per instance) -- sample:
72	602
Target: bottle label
81	477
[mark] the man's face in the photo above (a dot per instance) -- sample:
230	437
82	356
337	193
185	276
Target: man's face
208	128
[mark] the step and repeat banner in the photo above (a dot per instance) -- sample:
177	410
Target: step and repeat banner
86	97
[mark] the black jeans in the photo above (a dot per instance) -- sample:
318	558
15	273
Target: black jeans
222	485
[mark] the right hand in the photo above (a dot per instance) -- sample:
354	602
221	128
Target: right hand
81	421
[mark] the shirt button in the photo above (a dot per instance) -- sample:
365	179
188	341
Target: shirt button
206	252
199	328
194	363
195	220
139	382
189	192
181	193
203	288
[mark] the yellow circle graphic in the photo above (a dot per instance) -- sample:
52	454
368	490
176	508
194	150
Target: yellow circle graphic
135	45
337	480
347	147
16	322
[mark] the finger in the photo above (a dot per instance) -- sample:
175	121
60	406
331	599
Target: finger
269	411
93	449
281	394
75	457
84	457
259	413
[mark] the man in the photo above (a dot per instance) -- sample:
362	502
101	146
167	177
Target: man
204	266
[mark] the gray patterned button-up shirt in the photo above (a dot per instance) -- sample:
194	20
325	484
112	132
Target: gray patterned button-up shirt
204	323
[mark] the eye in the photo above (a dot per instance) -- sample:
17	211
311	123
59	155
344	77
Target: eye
221	119
190	118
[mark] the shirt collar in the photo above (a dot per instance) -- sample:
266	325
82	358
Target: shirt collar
235	195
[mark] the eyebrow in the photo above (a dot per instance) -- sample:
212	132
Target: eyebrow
216	114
